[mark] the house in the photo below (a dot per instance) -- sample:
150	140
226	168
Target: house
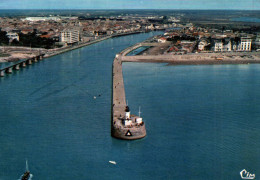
26	31
235	44
162	40
218	47
257	42
227	45
202	44
12	36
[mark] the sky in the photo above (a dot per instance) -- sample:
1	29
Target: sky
131	4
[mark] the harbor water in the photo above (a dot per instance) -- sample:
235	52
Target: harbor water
202	122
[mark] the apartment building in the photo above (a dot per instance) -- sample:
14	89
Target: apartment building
246	44
69	36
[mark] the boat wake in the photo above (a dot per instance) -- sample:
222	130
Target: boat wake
27	175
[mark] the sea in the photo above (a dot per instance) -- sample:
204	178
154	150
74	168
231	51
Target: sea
202	121
246	19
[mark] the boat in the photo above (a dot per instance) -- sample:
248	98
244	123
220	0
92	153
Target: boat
219	58
112	162
27	175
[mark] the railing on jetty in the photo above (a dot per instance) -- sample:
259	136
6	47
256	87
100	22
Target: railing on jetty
21	64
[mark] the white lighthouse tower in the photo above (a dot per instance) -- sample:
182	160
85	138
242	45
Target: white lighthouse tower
128	121
127	112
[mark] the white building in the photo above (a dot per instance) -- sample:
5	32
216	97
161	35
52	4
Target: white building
218	45
128	121
12	36
202	44
245	44
227	46
50	18
41	19
162	40
69	36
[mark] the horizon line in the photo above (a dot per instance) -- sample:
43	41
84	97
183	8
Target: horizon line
143	9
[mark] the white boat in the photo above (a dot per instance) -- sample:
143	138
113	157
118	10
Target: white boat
26	175
112	162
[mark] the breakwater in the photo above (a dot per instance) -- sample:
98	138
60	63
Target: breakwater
119	128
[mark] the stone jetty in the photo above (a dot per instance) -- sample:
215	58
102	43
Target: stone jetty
123	127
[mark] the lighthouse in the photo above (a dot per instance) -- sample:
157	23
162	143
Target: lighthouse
127	112
128	121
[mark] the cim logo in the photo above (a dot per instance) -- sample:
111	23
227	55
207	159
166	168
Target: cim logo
246	175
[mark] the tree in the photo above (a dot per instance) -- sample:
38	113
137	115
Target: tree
3	38
15	42
32	40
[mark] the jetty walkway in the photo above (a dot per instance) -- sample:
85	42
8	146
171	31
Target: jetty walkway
118	129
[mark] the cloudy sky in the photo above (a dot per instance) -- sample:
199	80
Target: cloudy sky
130	4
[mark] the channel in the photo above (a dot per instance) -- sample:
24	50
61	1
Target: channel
202	121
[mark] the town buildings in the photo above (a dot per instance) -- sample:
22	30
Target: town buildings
185	37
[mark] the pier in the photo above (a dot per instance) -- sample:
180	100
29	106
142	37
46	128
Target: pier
21	64
119	128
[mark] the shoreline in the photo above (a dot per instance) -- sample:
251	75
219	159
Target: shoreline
54	52
67	49
191	58
196	62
